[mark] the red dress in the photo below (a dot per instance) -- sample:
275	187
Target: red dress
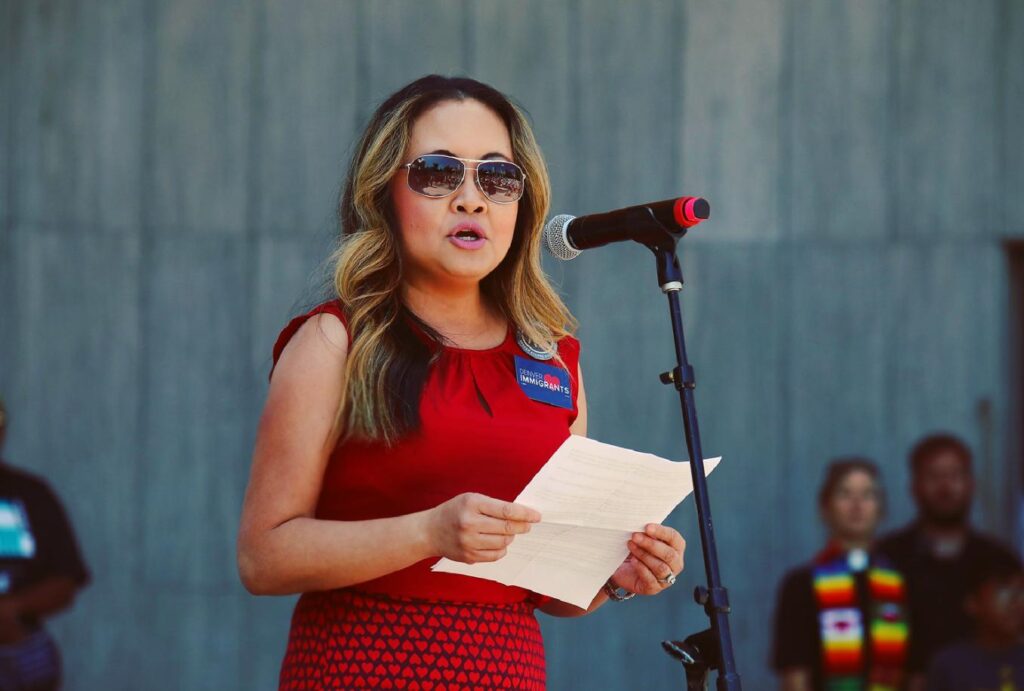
414	628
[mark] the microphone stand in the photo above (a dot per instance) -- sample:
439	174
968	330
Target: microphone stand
711	648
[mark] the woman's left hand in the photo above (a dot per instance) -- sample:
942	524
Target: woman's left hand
655	559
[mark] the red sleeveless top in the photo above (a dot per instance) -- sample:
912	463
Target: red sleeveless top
479	433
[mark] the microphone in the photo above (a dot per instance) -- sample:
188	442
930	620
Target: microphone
566	236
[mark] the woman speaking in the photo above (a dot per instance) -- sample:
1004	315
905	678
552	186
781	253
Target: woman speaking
395	432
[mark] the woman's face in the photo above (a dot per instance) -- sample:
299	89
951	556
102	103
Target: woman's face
431	253
855	507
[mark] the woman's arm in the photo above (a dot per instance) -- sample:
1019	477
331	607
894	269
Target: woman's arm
282	548
557	608
579	425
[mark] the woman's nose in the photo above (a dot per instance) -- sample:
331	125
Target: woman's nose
468	198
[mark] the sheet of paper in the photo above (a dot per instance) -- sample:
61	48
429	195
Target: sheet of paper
591	497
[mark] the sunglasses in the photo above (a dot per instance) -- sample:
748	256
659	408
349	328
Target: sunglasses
438	175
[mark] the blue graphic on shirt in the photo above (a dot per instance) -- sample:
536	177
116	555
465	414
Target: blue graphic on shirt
16	540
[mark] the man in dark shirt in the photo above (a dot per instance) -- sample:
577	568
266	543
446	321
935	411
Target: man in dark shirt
40	571
939	552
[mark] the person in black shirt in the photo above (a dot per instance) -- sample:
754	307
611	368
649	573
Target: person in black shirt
840	621
40	572
939	551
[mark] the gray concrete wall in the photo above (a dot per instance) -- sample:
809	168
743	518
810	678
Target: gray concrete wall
168	172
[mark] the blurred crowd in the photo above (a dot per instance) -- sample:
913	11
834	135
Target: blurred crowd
936	605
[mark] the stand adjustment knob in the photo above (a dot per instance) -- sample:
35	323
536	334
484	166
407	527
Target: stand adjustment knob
719	602
682	378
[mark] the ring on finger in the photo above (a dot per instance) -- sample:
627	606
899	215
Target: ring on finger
668	580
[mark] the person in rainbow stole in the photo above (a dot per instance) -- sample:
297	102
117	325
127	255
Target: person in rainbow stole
841	621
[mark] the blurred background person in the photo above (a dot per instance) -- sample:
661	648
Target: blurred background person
993	658
939	551
41	569
840	621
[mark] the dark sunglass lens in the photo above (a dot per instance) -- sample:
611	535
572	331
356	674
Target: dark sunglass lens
435	176
501	181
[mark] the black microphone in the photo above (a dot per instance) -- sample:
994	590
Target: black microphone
565	235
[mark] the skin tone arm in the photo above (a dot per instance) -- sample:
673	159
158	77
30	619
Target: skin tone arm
282	548
796	679
39	600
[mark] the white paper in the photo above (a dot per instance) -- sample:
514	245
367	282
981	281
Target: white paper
592	497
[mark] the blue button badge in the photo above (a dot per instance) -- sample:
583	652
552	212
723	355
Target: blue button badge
544	383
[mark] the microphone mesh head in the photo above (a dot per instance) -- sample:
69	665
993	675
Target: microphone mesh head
556	240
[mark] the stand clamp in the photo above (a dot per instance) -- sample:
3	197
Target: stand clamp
714	600
683	378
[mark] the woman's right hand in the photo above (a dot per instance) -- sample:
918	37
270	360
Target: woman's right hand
473	527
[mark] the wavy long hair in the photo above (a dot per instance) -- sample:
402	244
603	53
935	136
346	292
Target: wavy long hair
387	363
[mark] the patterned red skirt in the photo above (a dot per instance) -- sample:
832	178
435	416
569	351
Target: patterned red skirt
342	639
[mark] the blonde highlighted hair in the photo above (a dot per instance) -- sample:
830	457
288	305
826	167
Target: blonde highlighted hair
387	363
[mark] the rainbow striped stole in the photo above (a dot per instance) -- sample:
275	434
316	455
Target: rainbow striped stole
842	626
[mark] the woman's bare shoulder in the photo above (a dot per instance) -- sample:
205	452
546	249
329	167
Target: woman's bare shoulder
322	338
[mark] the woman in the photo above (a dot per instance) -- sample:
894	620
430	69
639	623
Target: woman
394	431
840	622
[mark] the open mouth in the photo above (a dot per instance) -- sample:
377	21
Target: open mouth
467	234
